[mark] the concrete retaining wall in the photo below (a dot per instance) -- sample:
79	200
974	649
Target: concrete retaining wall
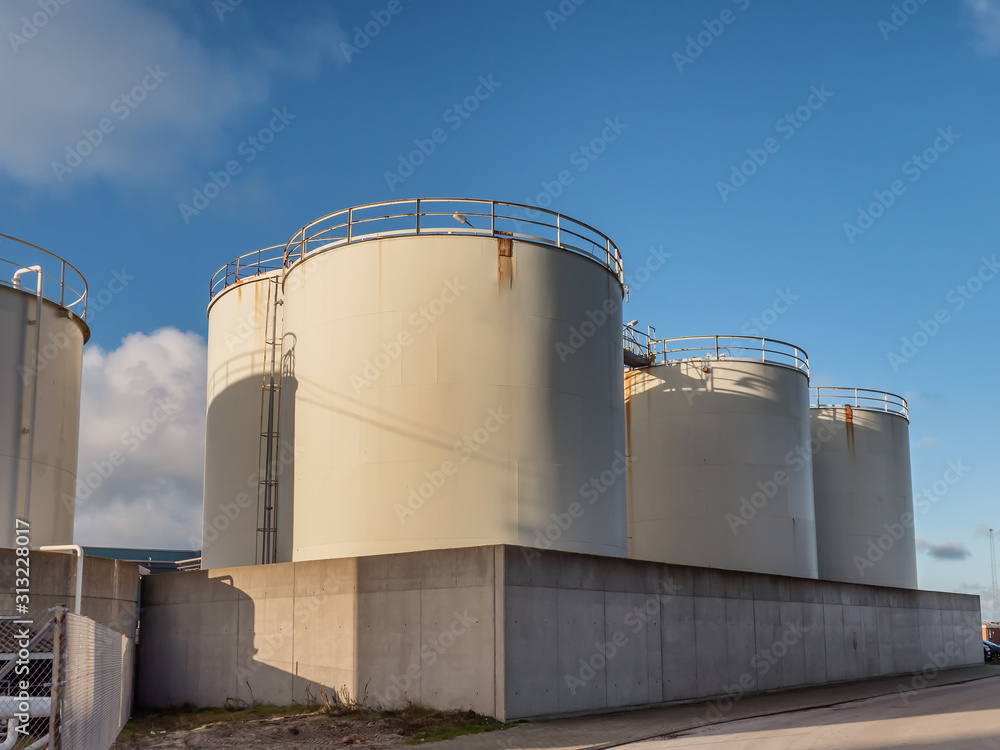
110	587
585	634
517	632
417	626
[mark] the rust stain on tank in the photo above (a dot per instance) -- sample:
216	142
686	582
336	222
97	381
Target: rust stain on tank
505	259
849	426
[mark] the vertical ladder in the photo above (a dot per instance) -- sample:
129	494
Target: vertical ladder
267	476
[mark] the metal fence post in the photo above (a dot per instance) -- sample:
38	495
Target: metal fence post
58	678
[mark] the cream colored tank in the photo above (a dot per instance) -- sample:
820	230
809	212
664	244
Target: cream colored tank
40	399
721	472
456	387
241	317
863	488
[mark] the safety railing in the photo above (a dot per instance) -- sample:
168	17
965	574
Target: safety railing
61	282
436	216
864	399
721	348
636	345
247	266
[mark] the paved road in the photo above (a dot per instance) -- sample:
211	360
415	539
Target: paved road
953	716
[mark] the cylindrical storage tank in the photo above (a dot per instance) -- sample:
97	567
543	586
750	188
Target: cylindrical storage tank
43	309
242	316
719	447
454	380
863	487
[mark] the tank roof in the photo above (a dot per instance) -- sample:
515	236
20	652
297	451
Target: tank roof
61	282
864	399
427	216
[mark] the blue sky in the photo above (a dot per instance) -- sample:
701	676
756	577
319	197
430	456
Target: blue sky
834	100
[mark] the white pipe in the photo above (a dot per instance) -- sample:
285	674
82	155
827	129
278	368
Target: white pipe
38	744
39	707
11	735
16	281
37	270
79	567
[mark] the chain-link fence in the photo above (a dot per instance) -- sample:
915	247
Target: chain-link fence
26	643
65	684
95	697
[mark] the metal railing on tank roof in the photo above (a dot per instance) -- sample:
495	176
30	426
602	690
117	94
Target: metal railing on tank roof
732	348
62	282
246	267
461	216
864	399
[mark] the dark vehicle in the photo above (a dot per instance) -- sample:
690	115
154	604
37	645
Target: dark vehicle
991	651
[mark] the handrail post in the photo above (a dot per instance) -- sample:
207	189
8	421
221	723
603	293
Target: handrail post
350	222
763	350
62	284
559	231
418	216
607	252
493	218
716	348
855	398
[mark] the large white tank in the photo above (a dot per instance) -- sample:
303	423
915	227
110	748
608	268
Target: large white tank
863	487
721	470
40	374
242	316
454	379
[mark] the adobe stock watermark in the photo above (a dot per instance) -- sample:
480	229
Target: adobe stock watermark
581	158
936	661
957	298
271	643
212	528
656	259
714	28
33	24
418	321
761	663
223	8
899	17
591	491
250	148
363	36
431	650
586	330
915	167
123	106
464	449
923	501
257	319
636	620
795	461
782	303
561	12
786	126
131	440
456	115
59	341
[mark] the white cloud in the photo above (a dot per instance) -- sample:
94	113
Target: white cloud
145	403
72	71
986	21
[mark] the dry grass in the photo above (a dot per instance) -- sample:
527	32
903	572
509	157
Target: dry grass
336	713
